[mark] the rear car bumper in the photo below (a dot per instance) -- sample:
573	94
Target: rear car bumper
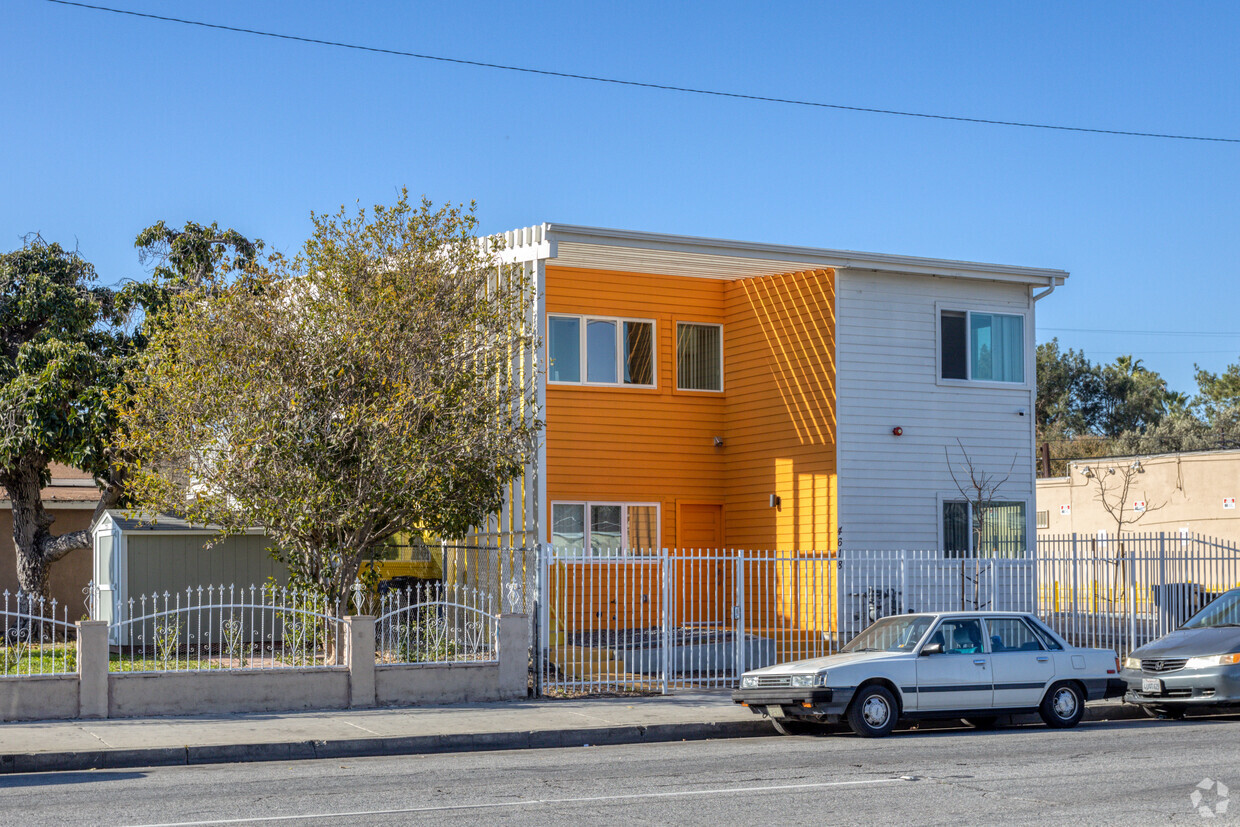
1105	688
1197	687
828	702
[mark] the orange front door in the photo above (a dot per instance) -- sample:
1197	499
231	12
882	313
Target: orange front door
702	577
699	525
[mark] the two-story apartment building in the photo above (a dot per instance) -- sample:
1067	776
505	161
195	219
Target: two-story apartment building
702	393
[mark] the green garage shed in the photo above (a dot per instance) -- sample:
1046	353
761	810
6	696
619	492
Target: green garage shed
136	555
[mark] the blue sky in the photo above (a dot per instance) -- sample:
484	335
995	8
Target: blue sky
112	123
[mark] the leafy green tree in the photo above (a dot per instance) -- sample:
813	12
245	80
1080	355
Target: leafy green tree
63	353
67	346
1069	401
1183	431
1134	398
1217	394
363	389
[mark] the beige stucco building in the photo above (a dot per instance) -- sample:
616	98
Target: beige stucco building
1174	493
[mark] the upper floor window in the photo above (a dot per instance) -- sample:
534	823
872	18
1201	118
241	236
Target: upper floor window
601	351
699	357
984	347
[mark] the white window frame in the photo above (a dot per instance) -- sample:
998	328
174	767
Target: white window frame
584	319
942	499
587	551
676	357
968	309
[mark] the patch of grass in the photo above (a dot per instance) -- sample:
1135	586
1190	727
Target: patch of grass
151	662
38	659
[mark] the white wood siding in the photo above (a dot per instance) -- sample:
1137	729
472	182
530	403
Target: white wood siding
886	367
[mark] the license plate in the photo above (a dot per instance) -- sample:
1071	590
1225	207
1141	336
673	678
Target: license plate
1151	686
775	711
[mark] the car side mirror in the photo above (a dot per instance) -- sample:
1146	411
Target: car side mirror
932	649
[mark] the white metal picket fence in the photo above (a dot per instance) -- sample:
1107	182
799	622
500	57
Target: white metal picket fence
699	618
1123	592
611	621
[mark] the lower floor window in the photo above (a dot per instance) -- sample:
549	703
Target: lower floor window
1003	534
606	529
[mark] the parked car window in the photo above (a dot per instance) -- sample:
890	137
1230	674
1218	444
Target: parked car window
1011	634
961	637
1044	635
890	634
1225	611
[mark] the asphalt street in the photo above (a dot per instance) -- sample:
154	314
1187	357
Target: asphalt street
1129	772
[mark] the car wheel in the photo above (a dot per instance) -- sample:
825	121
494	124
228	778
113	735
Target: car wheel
1063	706
786	726
983	722
873	712
1174	713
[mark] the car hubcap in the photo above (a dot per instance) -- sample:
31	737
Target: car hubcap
1065	703
875	712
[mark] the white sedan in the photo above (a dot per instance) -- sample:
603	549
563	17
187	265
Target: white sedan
970	665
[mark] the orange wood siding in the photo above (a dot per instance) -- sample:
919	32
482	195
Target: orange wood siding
776	415
779	377
635	444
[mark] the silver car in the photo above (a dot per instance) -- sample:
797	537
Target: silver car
1195	667
970	665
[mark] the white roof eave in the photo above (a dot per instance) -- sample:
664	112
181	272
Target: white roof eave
599	248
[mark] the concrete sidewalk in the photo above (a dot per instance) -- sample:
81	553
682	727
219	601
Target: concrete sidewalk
43	746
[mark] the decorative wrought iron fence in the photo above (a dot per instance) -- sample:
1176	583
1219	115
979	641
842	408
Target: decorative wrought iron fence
227	627
436	623
39	638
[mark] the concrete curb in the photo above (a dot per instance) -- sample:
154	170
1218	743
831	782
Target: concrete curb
362	747
431	744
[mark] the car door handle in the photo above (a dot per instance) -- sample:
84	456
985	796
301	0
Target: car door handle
1043	659
980	662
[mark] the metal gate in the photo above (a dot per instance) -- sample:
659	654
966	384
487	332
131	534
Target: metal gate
679	618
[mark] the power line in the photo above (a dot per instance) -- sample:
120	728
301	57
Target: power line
643	85
1131	352
1232	334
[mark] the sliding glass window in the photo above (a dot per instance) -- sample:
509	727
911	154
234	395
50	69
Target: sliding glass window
606	529
601	351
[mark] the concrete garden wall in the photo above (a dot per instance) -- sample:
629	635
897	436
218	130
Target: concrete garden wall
95	692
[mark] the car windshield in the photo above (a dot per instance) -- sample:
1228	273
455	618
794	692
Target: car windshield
1222	612
891	634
